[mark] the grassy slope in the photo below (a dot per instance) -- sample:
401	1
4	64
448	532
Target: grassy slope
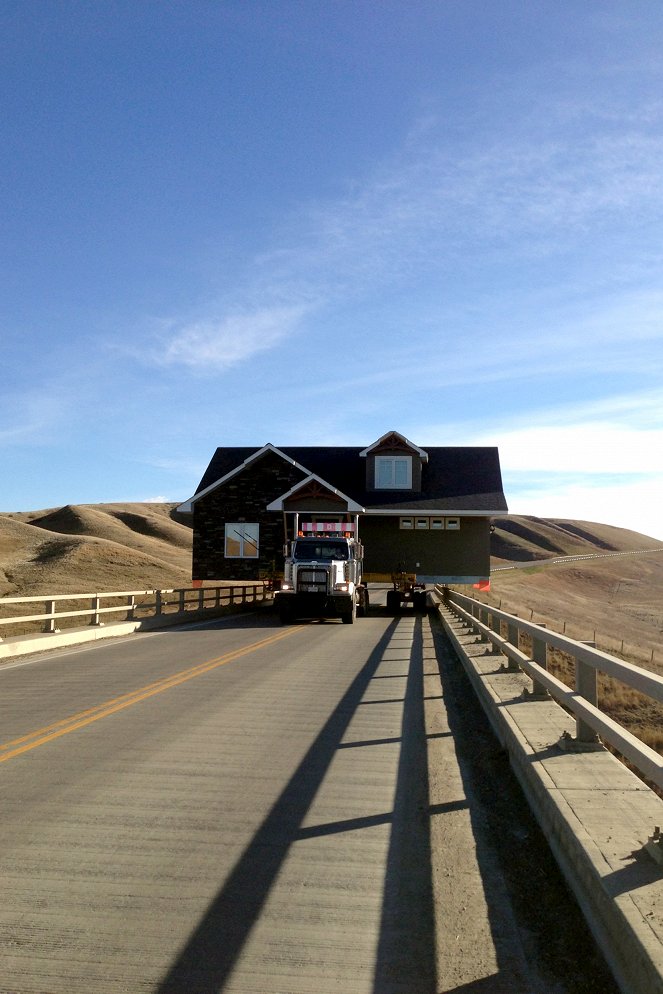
613	598
90	548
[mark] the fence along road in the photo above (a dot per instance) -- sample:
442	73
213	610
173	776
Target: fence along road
243	807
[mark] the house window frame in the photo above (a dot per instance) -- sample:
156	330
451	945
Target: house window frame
243	539
381	462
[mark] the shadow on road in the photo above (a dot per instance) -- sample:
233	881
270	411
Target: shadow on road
525	893
205	963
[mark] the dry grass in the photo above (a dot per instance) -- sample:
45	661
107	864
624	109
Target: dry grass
93	548
615	602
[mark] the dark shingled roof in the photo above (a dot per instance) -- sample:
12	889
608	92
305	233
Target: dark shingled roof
454	478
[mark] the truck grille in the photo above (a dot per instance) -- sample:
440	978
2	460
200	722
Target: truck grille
312	580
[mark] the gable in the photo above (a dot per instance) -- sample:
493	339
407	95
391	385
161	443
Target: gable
314	495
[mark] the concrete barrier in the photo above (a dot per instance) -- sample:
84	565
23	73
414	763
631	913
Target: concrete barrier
599	818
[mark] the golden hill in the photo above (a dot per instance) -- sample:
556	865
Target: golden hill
93	548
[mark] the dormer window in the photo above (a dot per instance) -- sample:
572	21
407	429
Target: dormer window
393	472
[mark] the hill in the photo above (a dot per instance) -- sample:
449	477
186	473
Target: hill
93	548
615	598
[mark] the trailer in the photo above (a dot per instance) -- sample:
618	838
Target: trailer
405	591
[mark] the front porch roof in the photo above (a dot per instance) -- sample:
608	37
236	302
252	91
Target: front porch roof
278	504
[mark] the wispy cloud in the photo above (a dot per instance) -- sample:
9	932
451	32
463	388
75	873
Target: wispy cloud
217	345
440	207
627	503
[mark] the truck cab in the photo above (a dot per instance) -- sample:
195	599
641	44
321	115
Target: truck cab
322	579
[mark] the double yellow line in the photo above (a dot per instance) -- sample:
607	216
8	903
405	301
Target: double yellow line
16	747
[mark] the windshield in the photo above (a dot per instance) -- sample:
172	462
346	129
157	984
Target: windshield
320	549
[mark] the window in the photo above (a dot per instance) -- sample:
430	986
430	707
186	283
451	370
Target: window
241	540
406	523
452	524
437	524
422	524
393	472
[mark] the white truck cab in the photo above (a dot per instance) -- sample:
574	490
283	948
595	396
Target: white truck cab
323	578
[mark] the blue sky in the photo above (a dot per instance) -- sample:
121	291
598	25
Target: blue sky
232	223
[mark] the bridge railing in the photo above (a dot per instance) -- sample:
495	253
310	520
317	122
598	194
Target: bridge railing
506	632
126	605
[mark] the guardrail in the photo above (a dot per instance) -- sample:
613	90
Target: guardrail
505	632
133	604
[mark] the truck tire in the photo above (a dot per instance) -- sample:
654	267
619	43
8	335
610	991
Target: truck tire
348	617
285	616
420	601
393	601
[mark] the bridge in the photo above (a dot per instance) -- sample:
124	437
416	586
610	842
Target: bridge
232	806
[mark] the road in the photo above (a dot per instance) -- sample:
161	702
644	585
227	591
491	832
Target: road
556	561
240	807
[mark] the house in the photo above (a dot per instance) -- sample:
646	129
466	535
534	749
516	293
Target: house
424	510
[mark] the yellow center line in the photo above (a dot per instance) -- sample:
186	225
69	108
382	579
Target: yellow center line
55	730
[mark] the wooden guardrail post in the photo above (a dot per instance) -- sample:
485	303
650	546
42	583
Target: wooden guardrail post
586	686
513	640
496	626
540	656
50	625
96	621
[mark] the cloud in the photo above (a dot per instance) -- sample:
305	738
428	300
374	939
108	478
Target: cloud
634	504
436	211
217	345
616	435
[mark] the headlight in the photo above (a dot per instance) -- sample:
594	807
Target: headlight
286	586
342	587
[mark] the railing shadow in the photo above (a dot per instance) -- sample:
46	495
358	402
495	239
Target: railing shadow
206	961
406	949
523	886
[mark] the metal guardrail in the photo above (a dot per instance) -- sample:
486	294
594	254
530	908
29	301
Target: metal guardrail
490	623
150	603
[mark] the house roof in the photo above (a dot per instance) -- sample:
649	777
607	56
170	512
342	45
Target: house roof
455	479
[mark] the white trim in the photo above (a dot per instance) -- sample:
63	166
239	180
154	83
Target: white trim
277	505
436	513
421	452
187	506
430	578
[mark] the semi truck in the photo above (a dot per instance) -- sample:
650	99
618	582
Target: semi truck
322	577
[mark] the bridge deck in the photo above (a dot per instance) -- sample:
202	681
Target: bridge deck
244	808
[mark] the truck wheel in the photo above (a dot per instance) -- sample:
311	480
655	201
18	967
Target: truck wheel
285	616
393	601
349	616
420	602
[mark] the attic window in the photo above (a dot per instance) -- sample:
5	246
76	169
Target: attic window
393	472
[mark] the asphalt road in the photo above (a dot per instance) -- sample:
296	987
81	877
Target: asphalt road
241	807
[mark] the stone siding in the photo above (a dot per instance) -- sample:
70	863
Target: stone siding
244	497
